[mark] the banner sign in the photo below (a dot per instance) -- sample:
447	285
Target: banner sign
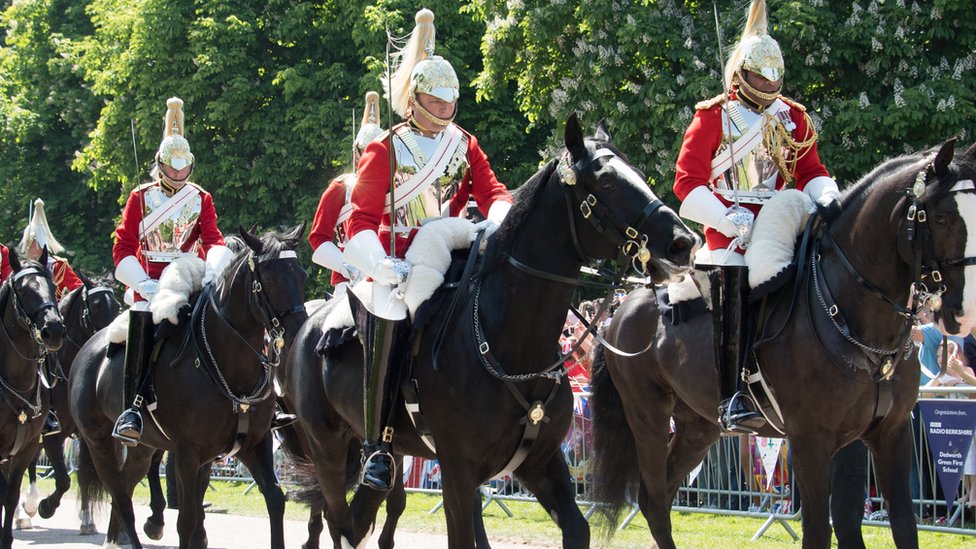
949	427
769	454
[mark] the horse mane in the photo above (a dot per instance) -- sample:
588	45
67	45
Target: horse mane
528	196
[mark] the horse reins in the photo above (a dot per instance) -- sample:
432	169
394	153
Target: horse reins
31	325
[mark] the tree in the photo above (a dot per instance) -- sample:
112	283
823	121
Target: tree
45	110
890	77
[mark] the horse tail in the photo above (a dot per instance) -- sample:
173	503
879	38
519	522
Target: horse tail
90	488
301	472
614	467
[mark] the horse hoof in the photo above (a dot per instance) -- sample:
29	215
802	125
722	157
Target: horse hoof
87	530
200	543
46	509
23	524
153	530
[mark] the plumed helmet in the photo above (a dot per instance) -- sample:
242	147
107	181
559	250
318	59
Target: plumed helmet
370	128
37	230
756	51
419	70
174	150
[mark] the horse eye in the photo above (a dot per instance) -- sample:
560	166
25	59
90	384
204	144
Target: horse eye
941	219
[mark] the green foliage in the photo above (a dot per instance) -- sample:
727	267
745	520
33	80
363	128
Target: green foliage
890	77
271	87
44	111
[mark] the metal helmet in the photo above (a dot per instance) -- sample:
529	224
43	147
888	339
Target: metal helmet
174	150
419	70
756	51
37	230
370	128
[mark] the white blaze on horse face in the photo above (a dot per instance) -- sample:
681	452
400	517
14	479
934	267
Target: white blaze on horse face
966	202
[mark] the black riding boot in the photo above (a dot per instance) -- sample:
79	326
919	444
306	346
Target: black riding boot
738	412
282	418
138	355
51	425
379	338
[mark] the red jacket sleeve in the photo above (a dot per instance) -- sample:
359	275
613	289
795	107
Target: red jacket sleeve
65	279
369	196
327	213
479	181
702	139
127	233
5	268
809	165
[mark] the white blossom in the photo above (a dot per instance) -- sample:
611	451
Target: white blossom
876	44
898	90
622	107
863	100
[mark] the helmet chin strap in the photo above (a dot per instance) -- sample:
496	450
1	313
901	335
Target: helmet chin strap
419	109
170	179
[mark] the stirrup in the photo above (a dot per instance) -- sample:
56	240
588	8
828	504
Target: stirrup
380	454
129	436
745	420
51	424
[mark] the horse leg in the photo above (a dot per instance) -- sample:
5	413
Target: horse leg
329	455
650	420
33	494
459	506
187	474
396	502
892	450
811	459
157	503
54	448
105	455
260	462
480	534
199	538
693	436
556	493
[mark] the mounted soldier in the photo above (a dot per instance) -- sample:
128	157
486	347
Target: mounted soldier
432	170
740	149
328	233
5	268
37	236
165	219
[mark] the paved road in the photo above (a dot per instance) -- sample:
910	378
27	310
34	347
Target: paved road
223	531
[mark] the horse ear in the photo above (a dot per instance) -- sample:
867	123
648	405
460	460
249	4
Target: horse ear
602	133
14	259
252	241
43	259
295	234
944	157
574	138
85	280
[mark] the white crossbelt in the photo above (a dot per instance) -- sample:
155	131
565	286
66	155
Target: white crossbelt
749	140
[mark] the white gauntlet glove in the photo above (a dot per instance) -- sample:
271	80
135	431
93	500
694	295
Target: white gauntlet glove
391	271
148	288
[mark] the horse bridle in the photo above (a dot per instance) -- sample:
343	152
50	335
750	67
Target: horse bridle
919	234
924	264
274	320
632	250
29	321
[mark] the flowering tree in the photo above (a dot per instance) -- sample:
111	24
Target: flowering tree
888	78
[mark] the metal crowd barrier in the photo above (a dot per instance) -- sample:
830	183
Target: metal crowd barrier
732	480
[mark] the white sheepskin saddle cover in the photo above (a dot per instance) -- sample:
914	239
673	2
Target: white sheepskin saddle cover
179	280
771	249
429	256
780	222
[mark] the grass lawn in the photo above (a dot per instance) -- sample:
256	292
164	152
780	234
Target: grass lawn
531	525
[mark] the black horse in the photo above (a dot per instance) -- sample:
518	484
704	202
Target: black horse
588	204
214	392
32	328
907	224
85	310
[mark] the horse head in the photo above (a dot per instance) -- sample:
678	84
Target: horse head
35	305
941	205
101	303
275	280
616	214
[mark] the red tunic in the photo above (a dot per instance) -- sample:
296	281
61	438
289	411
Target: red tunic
702	140
369	197
127	233
324	226
65	279
5	268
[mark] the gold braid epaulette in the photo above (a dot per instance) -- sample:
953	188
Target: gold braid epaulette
793	103
709	103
